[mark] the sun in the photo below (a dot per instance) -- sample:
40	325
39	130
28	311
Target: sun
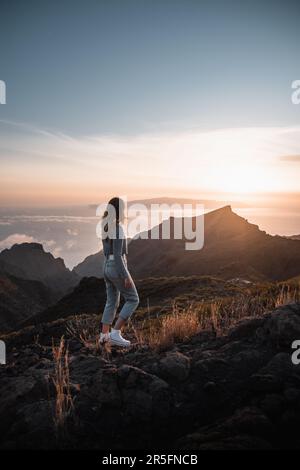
242	179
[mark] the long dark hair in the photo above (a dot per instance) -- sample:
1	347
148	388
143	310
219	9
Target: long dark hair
115	209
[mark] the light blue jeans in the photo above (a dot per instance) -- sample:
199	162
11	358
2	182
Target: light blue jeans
114	287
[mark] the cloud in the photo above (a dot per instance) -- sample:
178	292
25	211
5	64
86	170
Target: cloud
73	232
64	168
57	252
16	238
70	244
49	219
48	243
290	158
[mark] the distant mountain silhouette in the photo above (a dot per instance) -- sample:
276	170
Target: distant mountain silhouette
233	247
20	299
30	261
7	268
208	203
294	237
92	265
89	296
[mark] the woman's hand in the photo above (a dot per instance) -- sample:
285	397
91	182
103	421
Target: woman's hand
128	283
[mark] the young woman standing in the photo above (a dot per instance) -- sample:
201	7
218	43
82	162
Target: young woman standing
117	278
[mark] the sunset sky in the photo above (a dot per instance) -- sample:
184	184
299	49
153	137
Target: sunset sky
147	98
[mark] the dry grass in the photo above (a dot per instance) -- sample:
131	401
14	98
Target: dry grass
225	313
287	295
218	316
185	319
85	330
178	326
61	381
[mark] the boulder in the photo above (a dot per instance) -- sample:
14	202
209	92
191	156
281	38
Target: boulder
175	366
283	326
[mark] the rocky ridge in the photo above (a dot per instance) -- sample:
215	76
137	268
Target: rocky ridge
239	391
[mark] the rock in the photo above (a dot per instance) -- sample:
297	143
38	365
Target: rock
292	395
212	369
240	442
280	366
246	327
34	425
74	345
290	420
272	405
83	367
175	366
248	428
209	387
203	337
238	391
100	390
249	420
283	326
137	404
264	383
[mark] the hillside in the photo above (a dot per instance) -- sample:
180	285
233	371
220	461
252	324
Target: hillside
89	297
157	296
294	237
91	266
30	261
234	391
232	248
20	299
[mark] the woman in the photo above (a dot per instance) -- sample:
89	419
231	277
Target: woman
116	275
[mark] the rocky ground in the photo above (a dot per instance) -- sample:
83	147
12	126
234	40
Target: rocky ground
240	391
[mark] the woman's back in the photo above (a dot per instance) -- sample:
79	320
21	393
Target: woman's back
114	242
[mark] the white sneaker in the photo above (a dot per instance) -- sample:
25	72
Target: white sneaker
104	338
117	339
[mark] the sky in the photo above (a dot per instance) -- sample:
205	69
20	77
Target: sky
147	98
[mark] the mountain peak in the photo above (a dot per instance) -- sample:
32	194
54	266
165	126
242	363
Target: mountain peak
222	213
32	262
222	210
27	245
227	208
